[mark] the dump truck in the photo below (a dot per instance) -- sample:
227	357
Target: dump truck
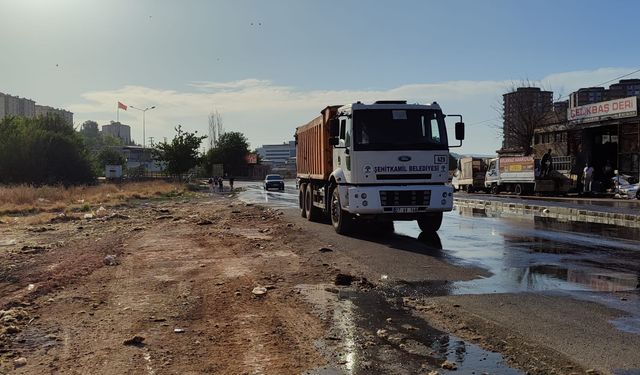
522	175
470	174
370	164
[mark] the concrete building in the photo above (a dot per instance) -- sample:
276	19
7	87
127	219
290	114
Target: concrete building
118	130
16	106
524	108
278	154
43	111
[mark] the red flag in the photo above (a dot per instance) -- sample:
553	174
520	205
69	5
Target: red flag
122	106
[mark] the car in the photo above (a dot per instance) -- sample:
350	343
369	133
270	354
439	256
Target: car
274	181
625	189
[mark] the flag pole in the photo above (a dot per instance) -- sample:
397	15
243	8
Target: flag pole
118	112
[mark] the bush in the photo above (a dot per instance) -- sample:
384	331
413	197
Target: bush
42	151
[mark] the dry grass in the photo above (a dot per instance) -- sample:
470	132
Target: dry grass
24	198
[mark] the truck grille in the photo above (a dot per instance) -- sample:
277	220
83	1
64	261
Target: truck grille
405	197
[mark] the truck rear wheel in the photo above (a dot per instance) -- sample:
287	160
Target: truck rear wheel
341	220
301	200
430	222
312	212
495	189
518	189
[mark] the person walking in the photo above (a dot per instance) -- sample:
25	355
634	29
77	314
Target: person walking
231	182
220	185
211	184
588	178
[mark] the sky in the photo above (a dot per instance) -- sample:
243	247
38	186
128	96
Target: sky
269	66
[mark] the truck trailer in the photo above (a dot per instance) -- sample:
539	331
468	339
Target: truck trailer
371	164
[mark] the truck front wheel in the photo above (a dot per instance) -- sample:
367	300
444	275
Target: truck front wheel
430	222
495	189
342	221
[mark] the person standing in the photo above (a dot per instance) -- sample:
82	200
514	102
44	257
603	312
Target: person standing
231	182
588	178
546	163
220	185
211	184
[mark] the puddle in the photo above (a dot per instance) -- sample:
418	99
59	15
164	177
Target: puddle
254	193
529	254
372	332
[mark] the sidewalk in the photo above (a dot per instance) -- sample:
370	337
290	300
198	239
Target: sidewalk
594	210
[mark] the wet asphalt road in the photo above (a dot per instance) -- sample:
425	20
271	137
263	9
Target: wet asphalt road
501	254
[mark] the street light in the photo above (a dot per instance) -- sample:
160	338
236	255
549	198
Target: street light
143	124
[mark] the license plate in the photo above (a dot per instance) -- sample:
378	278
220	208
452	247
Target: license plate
404	210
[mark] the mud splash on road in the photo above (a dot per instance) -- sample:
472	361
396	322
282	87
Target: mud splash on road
372	331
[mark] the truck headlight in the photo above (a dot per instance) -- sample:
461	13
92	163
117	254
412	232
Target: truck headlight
444	195
364	195
365	203
443	202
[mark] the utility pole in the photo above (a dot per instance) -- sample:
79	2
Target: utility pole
143	122
151	141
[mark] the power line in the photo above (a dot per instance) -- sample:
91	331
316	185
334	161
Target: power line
605	82
561	97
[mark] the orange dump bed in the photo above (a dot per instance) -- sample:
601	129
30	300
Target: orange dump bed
314	158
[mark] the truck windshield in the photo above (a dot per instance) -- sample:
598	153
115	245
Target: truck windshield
405	129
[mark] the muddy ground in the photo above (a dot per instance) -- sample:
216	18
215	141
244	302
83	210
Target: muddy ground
208	284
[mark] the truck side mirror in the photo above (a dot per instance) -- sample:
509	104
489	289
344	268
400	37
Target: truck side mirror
459	131
334	127
334	141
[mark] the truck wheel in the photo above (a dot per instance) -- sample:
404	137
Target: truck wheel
430	222
469	189
495	189
342	221
301	199
313	213
518	189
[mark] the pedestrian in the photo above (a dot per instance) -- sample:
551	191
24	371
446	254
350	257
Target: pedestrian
588	178
546	164
231	182
211	184
220	185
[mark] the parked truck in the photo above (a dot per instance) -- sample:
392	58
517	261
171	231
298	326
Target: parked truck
523	175
370	164
470	174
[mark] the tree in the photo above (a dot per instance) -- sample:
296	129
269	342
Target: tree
230	151
215	128
524	109
45	150
110	156
181	154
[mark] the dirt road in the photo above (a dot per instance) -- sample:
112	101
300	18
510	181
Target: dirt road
208	284
183	285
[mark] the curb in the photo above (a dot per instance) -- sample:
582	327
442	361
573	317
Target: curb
561	213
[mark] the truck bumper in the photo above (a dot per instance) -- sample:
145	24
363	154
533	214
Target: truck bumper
397	201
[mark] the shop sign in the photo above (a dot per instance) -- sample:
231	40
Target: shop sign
612	109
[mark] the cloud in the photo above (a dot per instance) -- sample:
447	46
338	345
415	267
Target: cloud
268	113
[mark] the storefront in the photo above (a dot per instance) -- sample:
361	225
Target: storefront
604	135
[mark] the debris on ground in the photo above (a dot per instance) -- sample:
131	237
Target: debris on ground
325	250
134	341
343	279
449	366
259	290
110	260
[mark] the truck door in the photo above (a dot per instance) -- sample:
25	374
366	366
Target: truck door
342	152
492	171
